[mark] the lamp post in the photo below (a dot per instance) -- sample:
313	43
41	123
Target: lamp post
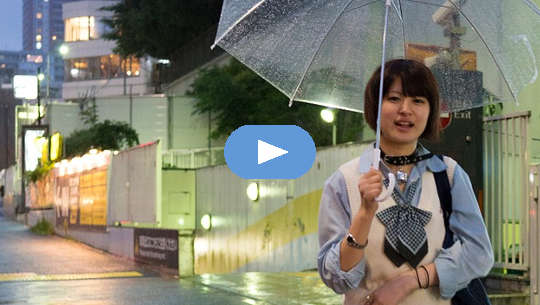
40	77
62	50
328	116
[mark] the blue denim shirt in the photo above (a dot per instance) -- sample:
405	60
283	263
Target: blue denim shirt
471	256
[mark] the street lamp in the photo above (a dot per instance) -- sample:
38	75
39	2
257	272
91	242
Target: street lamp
40	77
64	49
328	116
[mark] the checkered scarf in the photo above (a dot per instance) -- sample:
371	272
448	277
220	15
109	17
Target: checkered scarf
405	237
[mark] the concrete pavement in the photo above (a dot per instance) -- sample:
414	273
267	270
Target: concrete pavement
53	270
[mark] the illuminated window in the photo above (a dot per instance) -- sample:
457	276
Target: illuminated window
38	37
131	66
80	28
39	15
38	45
54	37
103	67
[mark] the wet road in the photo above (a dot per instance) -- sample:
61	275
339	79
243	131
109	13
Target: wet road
50	270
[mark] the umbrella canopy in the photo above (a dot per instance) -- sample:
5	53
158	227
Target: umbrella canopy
323	52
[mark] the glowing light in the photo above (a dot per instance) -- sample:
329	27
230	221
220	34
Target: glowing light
56	146
64	49
206	221
201	247
41	76
252	191
38	45
74	72
327	115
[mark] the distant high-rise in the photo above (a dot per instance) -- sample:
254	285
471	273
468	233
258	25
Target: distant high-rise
43	33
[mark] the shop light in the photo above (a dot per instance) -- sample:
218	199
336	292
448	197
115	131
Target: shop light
252	191
206	222
56	146
327	115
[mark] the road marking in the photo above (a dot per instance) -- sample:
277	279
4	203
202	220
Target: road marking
29	276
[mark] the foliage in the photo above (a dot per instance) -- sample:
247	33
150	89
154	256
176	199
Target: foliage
110	135
158	28
39	172
88	110
43	227
235	96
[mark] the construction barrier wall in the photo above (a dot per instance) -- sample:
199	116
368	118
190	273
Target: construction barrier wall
278	232
12	191
135	185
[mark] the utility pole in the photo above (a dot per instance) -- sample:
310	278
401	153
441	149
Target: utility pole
38	95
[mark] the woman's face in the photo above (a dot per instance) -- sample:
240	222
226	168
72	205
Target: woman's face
403	118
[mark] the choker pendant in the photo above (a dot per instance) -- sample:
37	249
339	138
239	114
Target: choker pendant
401	177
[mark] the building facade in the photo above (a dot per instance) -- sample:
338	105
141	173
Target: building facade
43	34
91	68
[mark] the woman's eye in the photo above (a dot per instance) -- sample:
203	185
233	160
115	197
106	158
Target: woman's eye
420	101
393	99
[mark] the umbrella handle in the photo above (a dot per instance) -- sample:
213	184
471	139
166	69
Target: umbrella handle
392	183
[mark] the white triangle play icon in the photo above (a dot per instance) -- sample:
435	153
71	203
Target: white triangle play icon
267	152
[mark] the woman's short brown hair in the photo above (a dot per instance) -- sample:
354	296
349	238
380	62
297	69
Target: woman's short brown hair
417	80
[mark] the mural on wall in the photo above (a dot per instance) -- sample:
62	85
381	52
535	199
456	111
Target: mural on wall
81	191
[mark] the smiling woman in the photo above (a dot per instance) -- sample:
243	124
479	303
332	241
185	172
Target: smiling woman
391	252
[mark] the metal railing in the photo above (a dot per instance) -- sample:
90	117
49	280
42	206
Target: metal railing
534	242
193	158
506	189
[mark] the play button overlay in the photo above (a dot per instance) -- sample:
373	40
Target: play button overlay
270	152
267	152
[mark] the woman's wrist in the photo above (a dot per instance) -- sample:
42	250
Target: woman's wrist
410	281
366	214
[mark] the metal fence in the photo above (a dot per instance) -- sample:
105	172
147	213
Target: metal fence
534	242
506	189
193	158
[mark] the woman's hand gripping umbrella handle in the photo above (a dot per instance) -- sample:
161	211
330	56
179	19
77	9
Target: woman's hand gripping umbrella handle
384	193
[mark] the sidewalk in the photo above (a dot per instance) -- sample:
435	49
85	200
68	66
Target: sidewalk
62	271
274	287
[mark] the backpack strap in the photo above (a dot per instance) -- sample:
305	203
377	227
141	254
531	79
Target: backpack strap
442	181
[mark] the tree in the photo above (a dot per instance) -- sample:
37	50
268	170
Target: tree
235	96
110	135
158	28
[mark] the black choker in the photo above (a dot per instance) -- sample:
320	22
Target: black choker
403	160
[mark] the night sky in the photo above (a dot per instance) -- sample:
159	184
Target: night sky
11	25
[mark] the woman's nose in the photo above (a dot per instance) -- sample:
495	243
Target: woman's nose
405	106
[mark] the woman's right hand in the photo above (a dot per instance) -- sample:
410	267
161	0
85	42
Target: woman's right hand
370	186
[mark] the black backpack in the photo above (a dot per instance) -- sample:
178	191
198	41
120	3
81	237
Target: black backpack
474	293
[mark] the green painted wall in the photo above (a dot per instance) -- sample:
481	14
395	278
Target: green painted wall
178	199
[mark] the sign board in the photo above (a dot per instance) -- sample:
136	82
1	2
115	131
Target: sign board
32	146
156	246
25	87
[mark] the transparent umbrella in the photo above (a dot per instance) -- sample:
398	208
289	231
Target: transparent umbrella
323	52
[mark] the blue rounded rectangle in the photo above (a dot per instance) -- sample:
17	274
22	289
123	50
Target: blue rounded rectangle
270	151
